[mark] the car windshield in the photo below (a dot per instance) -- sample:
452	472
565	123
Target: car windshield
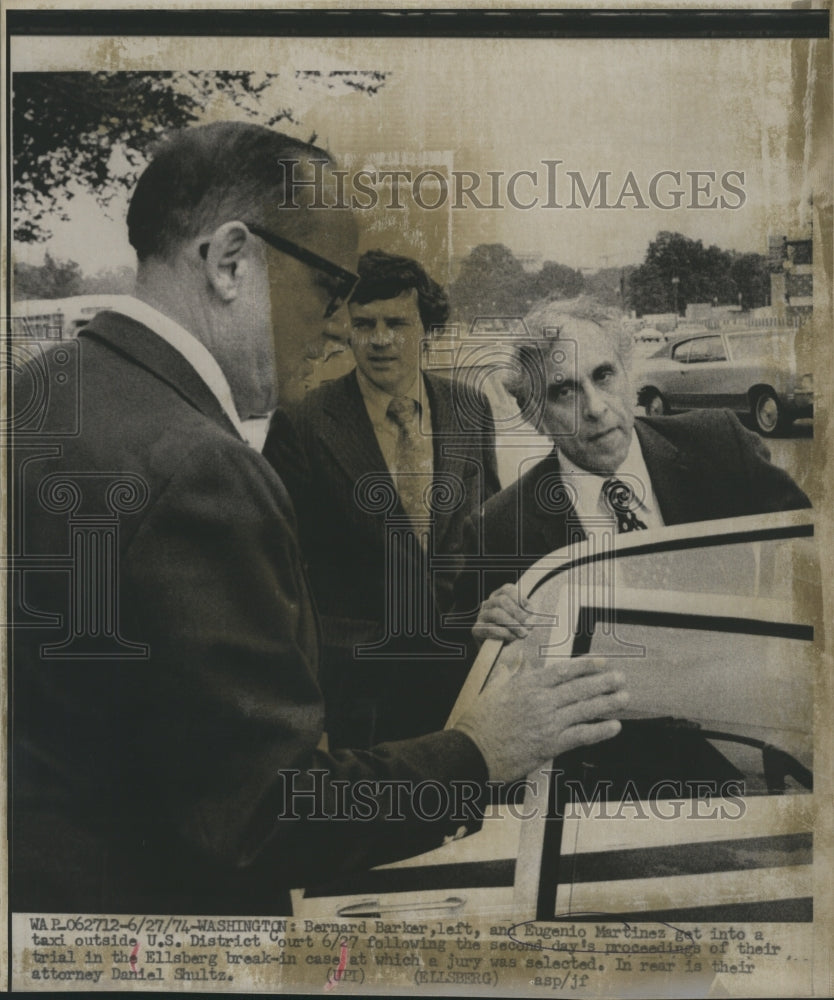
775	345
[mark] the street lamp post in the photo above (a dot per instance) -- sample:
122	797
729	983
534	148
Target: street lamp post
675	282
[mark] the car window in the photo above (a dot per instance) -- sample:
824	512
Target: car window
680	352
721	699
770	345
707	349
714	627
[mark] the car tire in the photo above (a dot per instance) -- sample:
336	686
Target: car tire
654	405
768	414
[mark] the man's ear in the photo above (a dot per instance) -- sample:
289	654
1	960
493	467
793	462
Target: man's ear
227	254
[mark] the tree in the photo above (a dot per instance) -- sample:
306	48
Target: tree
705	274
556	281
492	282
609	285
751	278
94	130
702	273
54	279
112	281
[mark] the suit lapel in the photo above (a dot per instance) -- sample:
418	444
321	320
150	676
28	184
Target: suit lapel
445	429
448	462
146	348
674	480
348	434
545	509
347	431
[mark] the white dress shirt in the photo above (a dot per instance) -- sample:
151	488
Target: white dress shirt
590	506
186	344
387	432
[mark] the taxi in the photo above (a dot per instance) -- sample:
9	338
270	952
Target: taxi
701	809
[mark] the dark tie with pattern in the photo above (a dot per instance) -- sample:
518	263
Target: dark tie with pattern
412	459
620	500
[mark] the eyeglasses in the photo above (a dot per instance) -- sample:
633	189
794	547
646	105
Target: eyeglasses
344	281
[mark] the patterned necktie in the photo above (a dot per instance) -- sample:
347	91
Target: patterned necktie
412	460
620	500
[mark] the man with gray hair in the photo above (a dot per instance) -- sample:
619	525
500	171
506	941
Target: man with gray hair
608	471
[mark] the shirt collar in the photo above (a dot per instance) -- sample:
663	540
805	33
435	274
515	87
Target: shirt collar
186	344
377	400
632	470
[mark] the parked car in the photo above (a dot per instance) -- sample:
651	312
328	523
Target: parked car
753	372
700	810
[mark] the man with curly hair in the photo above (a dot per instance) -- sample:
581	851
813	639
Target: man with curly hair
383	467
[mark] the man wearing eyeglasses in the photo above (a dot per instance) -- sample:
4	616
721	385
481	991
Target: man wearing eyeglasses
166	712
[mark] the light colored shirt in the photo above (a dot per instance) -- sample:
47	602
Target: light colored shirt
590	506
387	432
186	344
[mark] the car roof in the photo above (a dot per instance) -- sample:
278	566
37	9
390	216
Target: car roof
731	331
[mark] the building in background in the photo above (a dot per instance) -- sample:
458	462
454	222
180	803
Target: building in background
791	263
57	319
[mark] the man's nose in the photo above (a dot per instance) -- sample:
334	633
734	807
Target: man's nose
594	402
381	335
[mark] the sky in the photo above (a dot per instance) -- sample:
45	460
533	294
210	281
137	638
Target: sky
495	107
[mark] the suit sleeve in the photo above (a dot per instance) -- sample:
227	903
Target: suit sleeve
230	693
285	450
488	532
769	488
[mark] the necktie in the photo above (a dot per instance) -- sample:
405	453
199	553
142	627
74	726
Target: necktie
412	460
620	500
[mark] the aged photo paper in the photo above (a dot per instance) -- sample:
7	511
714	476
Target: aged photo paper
619	241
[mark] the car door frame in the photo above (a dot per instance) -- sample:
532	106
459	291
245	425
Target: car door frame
708	383
541	836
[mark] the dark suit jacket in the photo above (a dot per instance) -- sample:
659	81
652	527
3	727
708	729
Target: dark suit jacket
703	465
328	456
153	783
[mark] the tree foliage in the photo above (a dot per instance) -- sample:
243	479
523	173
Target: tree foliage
54	279
110	281
704	274
60	279
493	283
609	285
556	280
93	131
751	276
